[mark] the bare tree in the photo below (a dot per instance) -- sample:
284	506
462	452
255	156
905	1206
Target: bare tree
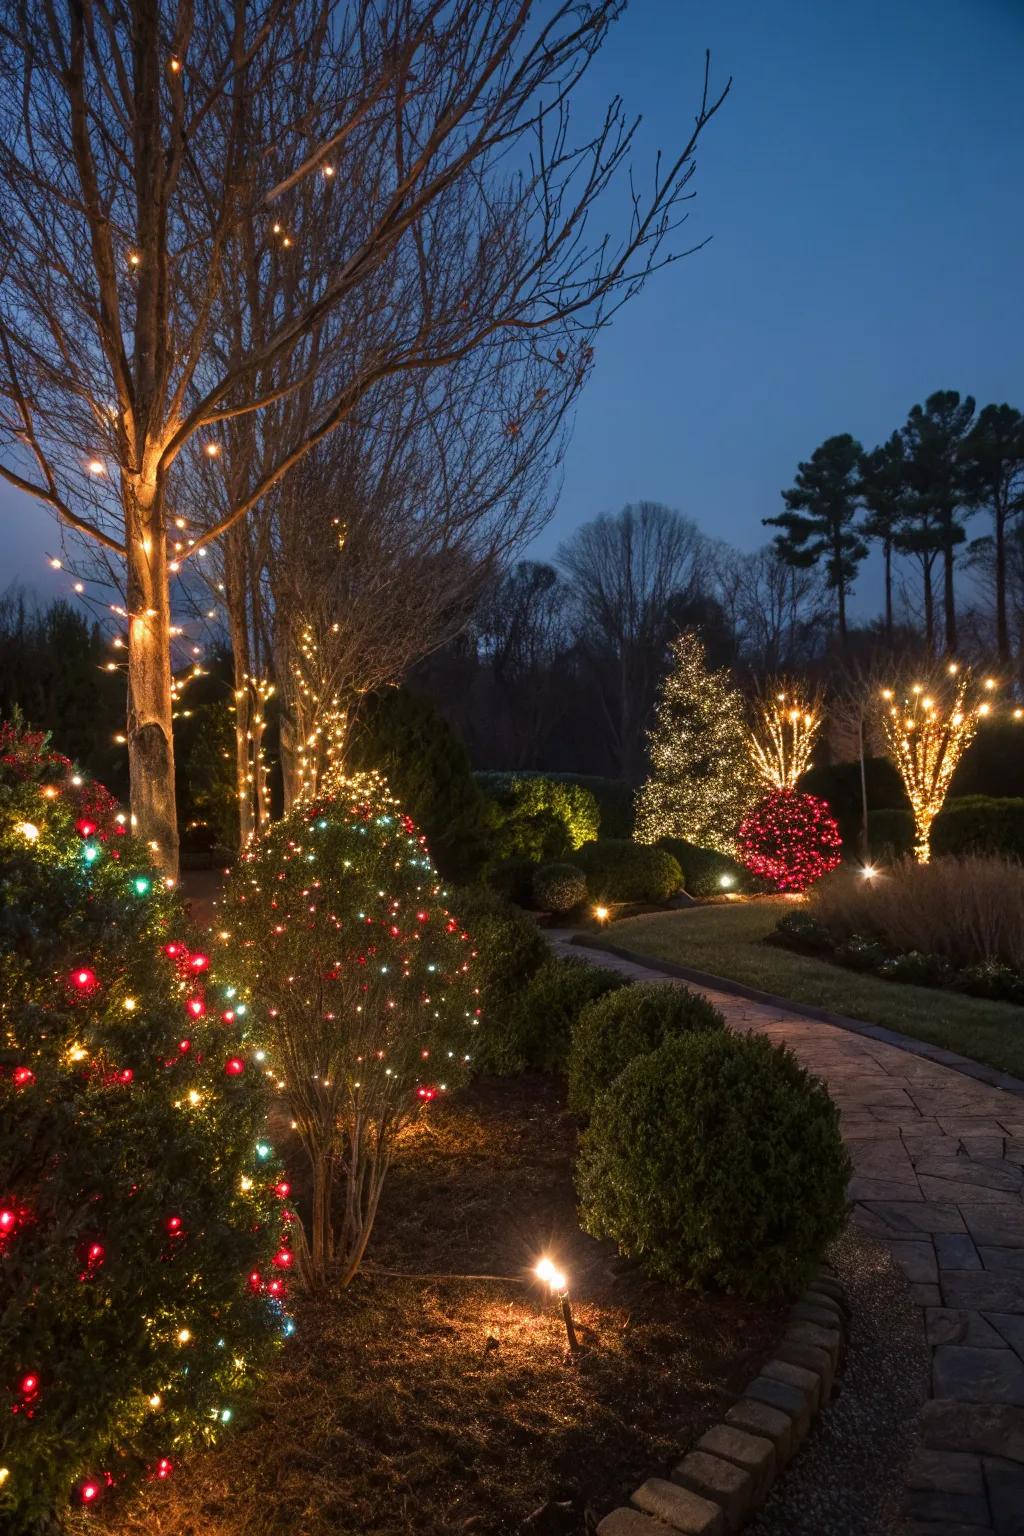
778	613
152	150
521	635
630	573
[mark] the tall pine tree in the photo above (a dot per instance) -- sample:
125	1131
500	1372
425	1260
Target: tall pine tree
702	780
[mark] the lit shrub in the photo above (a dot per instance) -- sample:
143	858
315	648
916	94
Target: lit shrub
510	950
716	1160
346	939
628	1023
618	871
790	839
547	1008
140	1210
536	817
558	888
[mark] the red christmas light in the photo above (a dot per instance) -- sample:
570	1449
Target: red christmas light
283	1258
84	978
164	1468
426	1094
199	963
89	1491
196	1007
85	827
790	839
28	1386
8	1220
184	1045
23	1076
234	1066
173	1225
282	1190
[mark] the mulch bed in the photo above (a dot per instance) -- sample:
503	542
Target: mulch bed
449	1405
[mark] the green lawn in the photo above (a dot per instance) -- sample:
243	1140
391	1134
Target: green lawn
727	941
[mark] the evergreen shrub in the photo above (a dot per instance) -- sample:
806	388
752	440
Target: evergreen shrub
628	1023
716	1160
548	1008
618	871
558	888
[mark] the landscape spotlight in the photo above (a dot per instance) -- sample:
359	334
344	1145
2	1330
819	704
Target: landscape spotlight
869	871
558	1283
602	914
726	881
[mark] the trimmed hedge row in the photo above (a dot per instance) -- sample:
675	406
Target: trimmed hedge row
620	871
705	871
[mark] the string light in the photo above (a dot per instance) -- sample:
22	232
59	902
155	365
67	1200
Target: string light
926	734
782	736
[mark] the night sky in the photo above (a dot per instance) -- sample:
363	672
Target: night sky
864	193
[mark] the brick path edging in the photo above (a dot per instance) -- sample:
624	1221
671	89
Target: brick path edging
937	1053
727	1476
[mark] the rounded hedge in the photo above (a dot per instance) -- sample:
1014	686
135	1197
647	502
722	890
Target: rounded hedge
558	888
716	1160
617	870
547	1009
628	1023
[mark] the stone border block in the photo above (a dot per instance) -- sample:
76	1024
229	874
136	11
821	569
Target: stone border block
726	1477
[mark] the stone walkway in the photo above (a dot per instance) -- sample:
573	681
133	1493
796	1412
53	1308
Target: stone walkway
938	1176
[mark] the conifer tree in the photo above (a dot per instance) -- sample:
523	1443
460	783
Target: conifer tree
702	781
143	1231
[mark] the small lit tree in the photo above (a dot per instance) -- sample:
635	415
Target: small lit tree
927	728
140	1210
339	922
702	780
785	725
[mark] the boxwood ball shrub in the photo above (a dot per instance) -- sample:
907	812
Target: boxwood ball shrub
627	1023
144	1256
619	871
558	888
547	1009
510	949
716	1160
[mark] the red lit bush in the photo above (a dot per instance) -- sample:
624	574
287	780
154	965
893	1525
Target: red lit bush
790	839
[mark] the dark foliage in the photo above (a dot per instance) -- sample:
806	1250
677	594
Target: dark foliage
548	1007
717	1160
706	872
618	871
510	951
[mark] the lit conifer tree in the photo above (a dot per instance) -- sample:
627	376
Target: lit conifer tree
702	780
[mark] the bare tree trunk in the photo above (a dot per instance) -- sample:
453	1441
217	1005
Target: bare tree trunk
234	582
929	605
888	592
150	727
865	841
1002	623
949	598
321	1230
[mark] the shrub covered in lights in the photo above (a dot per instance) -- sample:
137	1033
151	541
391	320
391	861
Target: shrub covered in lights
790	840
140	1215
716	1160
345	942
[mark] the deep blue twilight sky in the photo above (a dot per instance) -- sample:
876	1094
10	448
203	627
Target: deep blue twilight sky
863	188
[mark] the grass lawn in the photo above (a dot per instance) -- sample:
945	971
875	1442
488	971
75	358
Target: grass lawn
432	1405
727	941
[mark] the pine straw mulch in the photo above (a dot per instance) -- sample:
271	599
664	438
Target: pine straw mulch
448	1406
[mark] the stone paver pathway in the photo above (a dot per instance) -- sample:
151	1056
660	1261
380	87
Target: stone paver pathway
938	1176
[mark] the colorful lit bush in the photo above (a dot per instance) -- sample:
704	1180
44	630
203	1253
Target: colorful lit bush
345	940
790	839
143	1232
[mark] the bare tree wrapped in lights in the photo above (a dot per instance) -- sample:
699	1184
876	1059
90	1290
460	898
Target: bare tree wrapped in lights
927	728
345	943
785	725
153	154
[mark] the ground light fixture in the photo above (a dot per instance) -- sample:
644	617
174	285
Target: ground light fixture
868	871
558	1284
602	915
